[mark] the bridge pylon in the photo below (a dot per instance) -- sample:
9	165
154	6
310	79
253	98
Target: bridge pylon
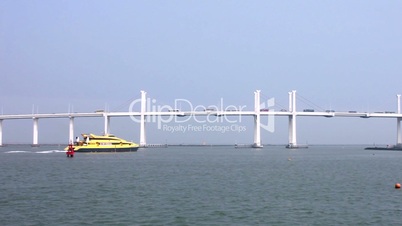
257	120
71	130
35	142
1	132
398	122
143	142
292	122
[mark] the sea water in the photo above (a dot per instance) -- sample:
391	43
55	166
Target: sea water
222	185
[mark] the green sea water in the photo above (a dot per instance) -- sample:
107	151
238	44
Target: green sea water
321	185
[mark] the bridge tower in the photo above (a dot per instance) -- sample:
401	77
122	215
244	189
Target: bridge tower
257	120
35	132
143	142
292	120
398	123
1	132
71	130
107	124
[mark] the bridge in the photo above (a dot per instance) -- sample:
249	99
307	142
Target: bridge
257	113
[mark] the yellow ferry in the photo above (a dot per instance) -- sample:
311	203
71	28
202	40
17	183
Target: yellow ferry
106	143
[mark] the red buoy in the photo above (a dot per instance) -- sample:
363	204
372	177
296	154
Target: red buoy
70	151
397	185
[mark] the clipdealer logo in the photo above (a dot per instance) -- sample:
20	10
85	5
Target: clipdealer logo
270	126
203	128
184	122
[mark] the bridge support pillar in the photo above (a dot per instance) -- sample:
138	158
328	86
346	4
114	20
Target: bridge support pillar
1	132
292	120
398	122
143	142
107	124
292	131
398	132
71	130
35	132
257	120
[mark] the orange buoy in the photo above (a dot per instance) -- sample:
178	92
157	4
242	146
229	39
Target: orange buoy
397	185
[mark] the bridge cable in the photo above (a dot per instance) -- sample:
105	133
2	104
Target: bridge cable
308	102
266	98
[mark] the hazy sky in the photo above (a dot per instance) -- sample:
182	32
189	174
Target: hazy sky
60	56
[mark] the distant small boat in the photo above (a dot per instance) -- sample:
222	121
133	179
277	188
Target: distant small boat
387	148
105	143
292	146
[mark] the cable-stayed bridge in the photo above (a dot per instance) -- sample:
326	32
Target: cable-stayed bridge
258	112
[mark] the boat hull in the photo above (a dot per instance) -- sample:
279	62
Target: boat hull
384	148
109	149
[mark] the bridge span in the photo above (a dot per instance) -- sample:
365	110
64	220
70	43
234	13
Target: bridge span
257	113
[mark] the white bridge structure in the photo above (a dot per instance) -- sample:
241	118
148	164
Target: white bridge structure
291	113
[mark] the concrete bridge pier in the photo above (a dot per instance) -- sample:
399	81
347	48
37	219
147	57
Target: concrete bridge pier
398	132
1	132
35	142
257	120
143	142
106	129
71	130
292	120
398	123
